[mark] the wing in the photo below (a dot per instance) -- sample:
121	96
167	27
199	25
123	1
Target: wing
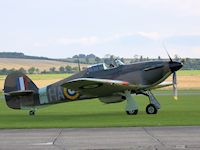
98	87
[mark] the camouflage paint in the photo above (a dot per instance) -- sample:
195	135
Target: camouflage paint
145	75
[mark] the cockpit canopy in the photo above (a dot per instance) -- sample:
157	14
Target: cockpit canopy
97	67
102	66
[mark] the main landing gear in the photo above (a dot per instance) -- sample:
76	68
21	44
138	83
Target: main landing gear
132	108
151	109
154	105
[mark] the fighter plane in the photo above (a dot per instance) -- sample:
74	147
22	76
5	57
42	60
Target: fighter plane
111	84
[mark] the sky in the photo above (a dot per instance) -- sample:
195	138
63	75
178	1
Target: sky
125	28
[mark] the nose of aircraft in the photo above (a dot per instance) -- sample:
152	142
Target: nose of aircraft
174	66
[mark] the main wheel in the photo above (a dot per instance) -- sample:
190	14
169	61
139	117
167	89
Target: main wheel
31	113
151	109
132	112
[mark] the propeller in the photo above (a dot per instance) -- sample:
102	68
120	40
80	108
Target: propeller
167	53
174	66
175	92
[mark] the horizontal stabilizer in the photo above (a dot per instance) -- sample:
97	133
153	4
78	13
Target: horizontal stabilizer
20	93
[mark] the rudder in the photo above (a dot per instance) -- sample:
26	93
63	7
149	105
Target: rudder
20	91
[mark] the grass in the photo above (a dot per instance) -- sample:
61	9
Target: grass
188	73
92	113
48	76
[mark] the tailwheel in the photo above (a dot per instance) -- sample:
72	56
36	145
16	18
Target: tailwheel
31	113
151	109
132	112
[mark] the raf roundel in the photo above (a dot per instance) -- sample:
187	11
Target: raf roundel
70	94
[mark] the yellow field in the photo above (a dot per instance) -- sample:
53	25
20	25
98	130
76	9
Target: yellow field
40	80
10	63
186	82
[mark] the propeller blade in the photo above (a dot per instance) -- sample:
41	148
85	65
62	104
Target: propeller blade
175	86
167	53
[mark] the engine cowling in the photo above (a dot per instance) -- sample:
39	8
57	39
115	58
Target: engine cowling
111	99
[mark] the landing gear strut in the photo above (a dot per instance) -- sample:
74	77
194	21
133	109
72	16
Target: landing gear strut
154	105
131	106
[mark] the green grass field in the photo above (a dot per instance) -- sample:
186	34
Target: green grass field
92	113
188	72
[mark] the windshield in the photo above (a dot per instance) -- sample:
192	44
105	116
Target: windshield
118	62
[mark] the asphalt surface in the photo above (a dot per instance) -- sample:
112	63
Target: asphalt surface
134	138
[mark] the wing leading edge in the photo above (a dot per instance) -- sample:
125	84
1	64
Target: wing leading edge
98	87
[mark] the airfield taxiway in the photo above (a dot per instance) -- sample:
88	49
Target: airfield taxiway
132	138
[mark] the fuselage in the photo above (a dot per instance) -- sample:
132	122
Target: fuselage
146	74
22	93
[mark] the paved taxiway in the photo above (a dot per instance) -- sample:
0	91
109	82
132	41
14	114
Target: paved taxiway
151	138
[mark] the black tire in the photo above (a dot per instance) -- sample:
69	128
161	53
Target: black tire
133	112
151	109
31	113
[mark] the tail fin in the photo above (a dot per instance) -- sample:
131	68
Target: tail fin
20	91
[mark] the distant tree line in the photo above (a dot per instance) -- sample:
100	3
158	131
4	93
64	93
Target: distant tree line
84	56
189	63
21	55
33	70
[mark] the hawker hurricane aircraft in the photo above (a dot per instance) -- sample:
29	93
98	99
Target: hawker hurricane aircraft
112	84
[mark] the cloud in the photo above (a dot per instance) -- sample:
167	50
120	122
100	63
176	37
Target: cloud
150	35
143	43
37	44
196	51
186	7
82	41
176	7
95	40
90	40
